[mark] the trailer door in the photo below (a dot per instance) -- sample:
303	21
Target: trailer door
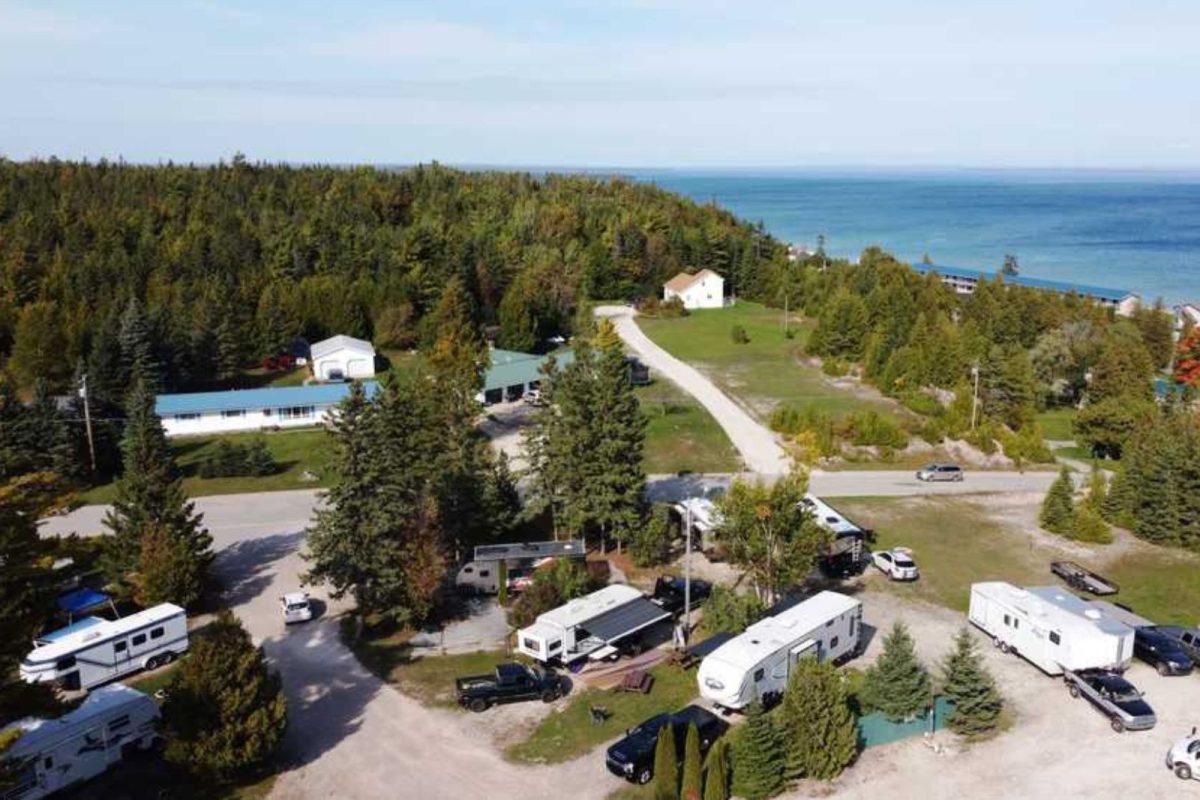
809	648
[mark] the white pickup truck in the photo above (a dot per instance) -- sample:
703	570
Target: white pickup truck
1184	757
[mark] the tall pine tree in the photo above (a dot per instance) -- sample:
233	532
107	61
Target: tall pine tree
138	361
967	684
759	757
692	776
1058	507
716	772
898	684
666	764
818	726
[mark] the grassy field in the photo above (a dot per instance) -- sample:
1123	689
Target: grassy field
294	450
569	733
956	543
681	435
763	372
1056	424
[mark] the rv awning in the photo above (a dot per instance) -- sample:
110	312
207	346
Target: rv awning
632	616
81	600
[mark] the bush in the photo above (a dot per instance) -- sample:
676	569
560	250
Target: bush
1089	526
1026	446
758	756
650	545
872	429
728	611
738	334
233	460
922	403
793	422
655	307
1058	508
563	580
835	367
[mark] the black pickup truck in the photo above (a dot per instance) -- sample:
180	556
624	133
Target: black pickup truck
511	683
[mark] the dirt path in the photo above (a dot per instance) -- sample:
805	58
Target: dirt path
758	446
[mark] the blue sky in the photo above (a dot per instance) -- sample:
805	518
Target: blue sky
1061	83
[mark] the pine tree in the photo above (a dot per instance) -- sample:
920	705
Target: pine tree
818	726
666	764
692	784
274	335
138	362
967	684
1097	495
716	772
758	757
149	492
166	572
1089	526
898	684
1115	507
229	349
1058	507
225	712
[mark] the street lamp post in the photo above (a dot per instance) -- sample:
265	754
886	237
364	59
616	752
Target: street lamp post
975	394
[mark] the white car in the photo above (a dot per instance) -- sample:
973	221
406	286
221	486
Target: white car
1184	758
896	563
296	607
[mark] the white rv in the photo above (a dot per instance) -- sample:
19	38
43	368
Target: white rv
95	650
589	626
54	753
1050	627
481	575
755	665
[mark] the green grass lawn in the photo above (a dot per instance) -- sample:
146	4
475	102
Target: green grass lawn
569	733
1056	423
681	436
294	450
763	372
1160	584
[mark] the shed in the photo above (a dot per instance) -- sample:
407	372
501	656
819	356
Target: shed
341	357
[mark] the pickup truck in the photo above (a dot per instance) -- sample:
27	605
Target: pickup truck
510	683
669	593
1114	697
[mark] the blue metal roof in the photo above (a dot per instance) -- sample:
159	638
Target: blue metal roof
323	394
1100	292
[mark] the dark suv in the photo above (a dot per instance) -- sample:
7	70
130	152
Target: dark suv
669	593
632	758
1187	638
1161	651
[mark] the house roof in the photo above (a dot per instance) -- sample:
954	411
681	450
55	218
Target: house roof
334	343
685	279
510	368
325	394
1099	292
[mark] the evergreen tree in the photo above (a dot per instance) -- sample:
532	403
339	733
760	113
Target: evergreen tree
38	346
666	764
967	684
167	572
817	724
1089	526
138	362
651	542
274	334
843	327
1058	507
149	492
1123	369
225	712
758	757
716	772
229	349
1115	507
898	684
518	319
1097	496
692	764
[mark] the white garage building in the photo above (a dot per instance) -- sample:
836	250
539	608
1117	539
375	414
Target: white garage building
704	289
341	357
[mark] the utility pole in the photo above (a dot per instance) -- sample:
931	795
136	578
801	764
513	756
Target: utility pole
975	394
87	421
687	573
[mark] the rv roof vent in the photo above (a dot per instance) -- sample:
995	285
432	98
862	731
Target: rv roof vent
1092	613
754	641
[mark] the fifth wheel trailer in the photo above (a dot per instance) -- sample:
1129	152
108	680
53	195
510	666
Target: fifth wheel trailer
756	664
1049	627
51	754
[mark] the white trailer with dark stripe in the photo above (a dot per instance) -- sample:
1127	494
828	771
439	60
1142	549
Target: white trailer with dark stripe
590	626
94	650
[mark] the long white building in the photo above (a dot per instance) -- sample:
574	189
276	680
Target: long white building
251	409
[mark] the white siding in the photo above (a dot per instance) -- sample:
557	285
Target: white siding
708	292
249	420
350	362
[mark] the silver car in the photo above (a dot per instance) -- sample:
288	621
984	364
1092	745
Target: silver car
940	472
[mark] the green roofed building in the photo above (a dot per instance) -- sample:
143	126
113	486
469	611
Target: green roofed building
511	374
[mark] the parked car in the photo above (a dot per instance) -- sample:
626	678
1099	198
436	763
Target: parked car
896	563
1187	638
1184	757
1114	697
1161	651
296	607
510	683
533	397
632	758
940	472
668	593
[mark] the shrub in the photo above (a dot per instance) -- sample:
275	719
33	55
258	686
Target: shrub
835	367
1026	446
654	307
793	422
666	768
872	429
563	580
728	611
716	772
231	459
817	723
738	334
1089	526
758	757
922	403
692	783
650	544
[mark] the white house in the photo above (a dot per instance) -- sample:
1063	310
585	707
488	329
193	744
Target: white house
251	409
704	289
341	357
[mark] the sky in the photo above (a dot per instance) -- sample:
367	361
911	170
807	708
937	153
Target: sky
634	83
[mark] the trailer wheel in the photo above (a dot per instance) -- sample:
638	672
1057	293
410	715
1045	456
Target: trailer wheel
1118	725
152	663
1004	648
166	658
478	705
1073	690
1183	772
549	695
1163	670
644	776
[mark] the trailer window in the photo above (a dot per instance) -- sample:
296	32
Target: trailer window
554	647
156	633
1008	620
138	640
119	722
65	663
1054	637
120	647
483	573
833	643
758	675
49	762
532	644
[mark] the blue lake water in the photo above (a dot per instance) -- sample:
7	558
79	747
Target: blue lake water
1139	232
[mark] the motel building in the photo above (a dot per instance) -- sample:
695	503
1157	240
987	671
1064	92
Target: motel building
510	375
964	281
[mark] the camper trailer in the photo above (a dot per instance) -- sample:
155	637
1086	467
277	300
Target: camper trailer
95	650
844	554
54	753
590	626
481	575
1049	627
756	664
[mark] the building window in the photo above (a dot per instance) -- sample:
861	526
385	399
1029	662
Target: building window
234	412
296	412
190	417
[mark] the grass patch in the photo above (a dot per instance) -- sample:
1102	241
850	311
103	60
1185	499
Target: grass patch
1056	423
293	450
151	682
1077	453
765	371
569	733
681	436
1161	584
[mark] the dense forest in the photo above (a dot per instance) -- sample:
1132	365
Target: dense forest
232	261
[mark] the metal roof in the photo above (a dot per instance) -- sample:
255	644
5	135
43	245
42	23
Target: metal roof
321	395
1100	292
510	368
624	619
496	552
340	342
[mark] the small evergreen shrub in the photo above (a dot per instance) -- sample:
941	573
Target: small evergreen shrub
738	334
233	460
1089	526
1058	508
728	611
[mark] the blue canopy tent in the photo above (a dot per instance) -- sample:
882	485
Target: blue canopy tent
81	601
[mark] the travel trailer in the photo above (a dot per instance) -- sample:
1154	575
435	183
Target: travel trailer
95	650
54	753
844	555
590	626
1051	628
755	665
481	574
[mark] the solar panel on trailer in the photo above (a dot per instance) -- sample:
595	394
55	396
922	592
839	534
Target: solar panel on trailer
631	616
